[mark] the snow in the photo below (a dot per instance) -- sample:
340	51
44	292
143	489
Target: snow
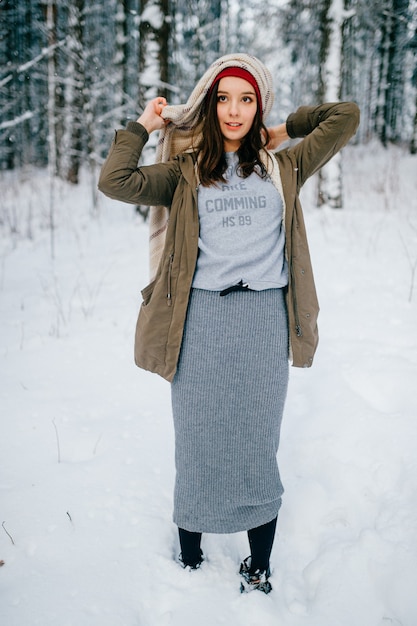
87	440
153	15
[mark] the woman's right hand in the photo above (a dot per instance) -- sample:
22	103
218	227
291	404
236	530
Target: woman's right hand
151	117
277	136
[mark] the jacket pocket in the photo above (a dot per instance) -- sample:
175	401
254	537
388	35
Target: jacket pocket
147	293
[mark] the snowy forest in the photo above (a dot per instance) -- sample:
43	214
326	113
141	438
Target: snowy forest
71	72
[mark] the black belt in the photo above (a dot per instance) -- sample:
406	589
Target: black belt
240	286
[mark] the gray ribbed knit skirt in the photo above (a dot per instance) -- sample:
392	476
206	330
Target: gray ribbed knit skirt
227	398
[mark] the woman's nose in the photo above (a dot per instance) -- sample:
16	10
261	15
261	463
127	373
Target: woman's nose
233	108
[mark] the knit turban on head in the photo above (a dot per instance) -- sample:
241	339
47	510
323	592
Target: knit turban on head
181	134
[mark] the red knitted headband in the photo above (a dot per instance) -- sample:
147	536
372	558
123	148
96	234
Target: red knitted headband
239	72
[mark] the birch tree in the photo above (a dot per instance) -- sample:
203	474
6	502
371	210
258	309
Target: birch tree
330	177
72	149
154	32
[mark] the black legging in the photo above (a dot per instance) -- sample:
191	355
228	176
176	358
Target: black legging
190	547
261	540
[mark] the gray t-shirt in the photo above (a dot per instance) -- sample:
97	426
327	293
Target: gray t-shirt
241	233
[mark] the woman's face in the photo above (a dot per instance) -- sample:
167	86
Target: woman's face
236	109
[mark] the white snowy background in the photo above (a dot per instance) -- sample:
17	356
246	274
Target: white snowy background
86	445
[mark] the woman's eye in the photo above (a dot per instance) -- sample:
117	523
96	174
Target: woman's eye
247	99
221	98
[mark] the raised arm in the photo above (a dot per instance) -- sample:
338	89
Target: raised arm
122	179
326	129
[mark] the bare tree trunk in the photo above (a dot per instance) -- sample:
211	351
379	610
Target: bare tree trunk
52	148
413	47
224	19
153	50
330	177
413	142
154	32
383	86
74	96
396	63
121	60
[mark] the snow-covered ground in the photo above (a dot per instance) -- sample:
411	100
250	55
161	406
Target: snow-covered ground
86	445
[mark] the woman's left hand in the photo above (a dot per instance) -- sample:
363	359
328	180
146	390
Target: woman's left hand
277	136
151	117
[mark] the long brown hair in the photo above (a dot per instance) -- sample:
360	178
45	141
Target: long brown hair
211	159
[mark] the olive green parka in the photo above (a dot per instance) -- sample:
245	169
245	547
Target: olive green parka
325	129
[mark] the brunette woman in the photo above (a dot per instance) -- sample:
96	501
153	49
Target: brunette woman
231	298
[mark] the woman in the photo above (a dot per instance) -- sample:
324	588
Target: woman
232	293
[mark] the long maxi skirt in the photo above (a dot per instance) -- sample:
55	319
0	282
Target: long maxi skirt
228	397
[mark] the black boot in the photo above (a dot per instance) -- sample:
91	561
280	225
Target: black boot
191	564
259	579
191	555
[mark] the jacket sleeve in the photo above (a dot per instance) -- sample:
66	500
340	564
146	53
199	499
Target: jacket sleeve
122	179
326	129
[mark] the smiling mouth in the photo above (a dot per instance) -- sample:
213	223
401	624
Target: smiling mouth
233	124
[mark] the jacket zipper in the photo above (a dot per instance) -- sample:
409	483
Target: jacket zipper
169	294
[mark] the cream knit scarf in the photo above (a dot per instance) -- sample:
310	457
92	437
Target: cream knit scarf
181	135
